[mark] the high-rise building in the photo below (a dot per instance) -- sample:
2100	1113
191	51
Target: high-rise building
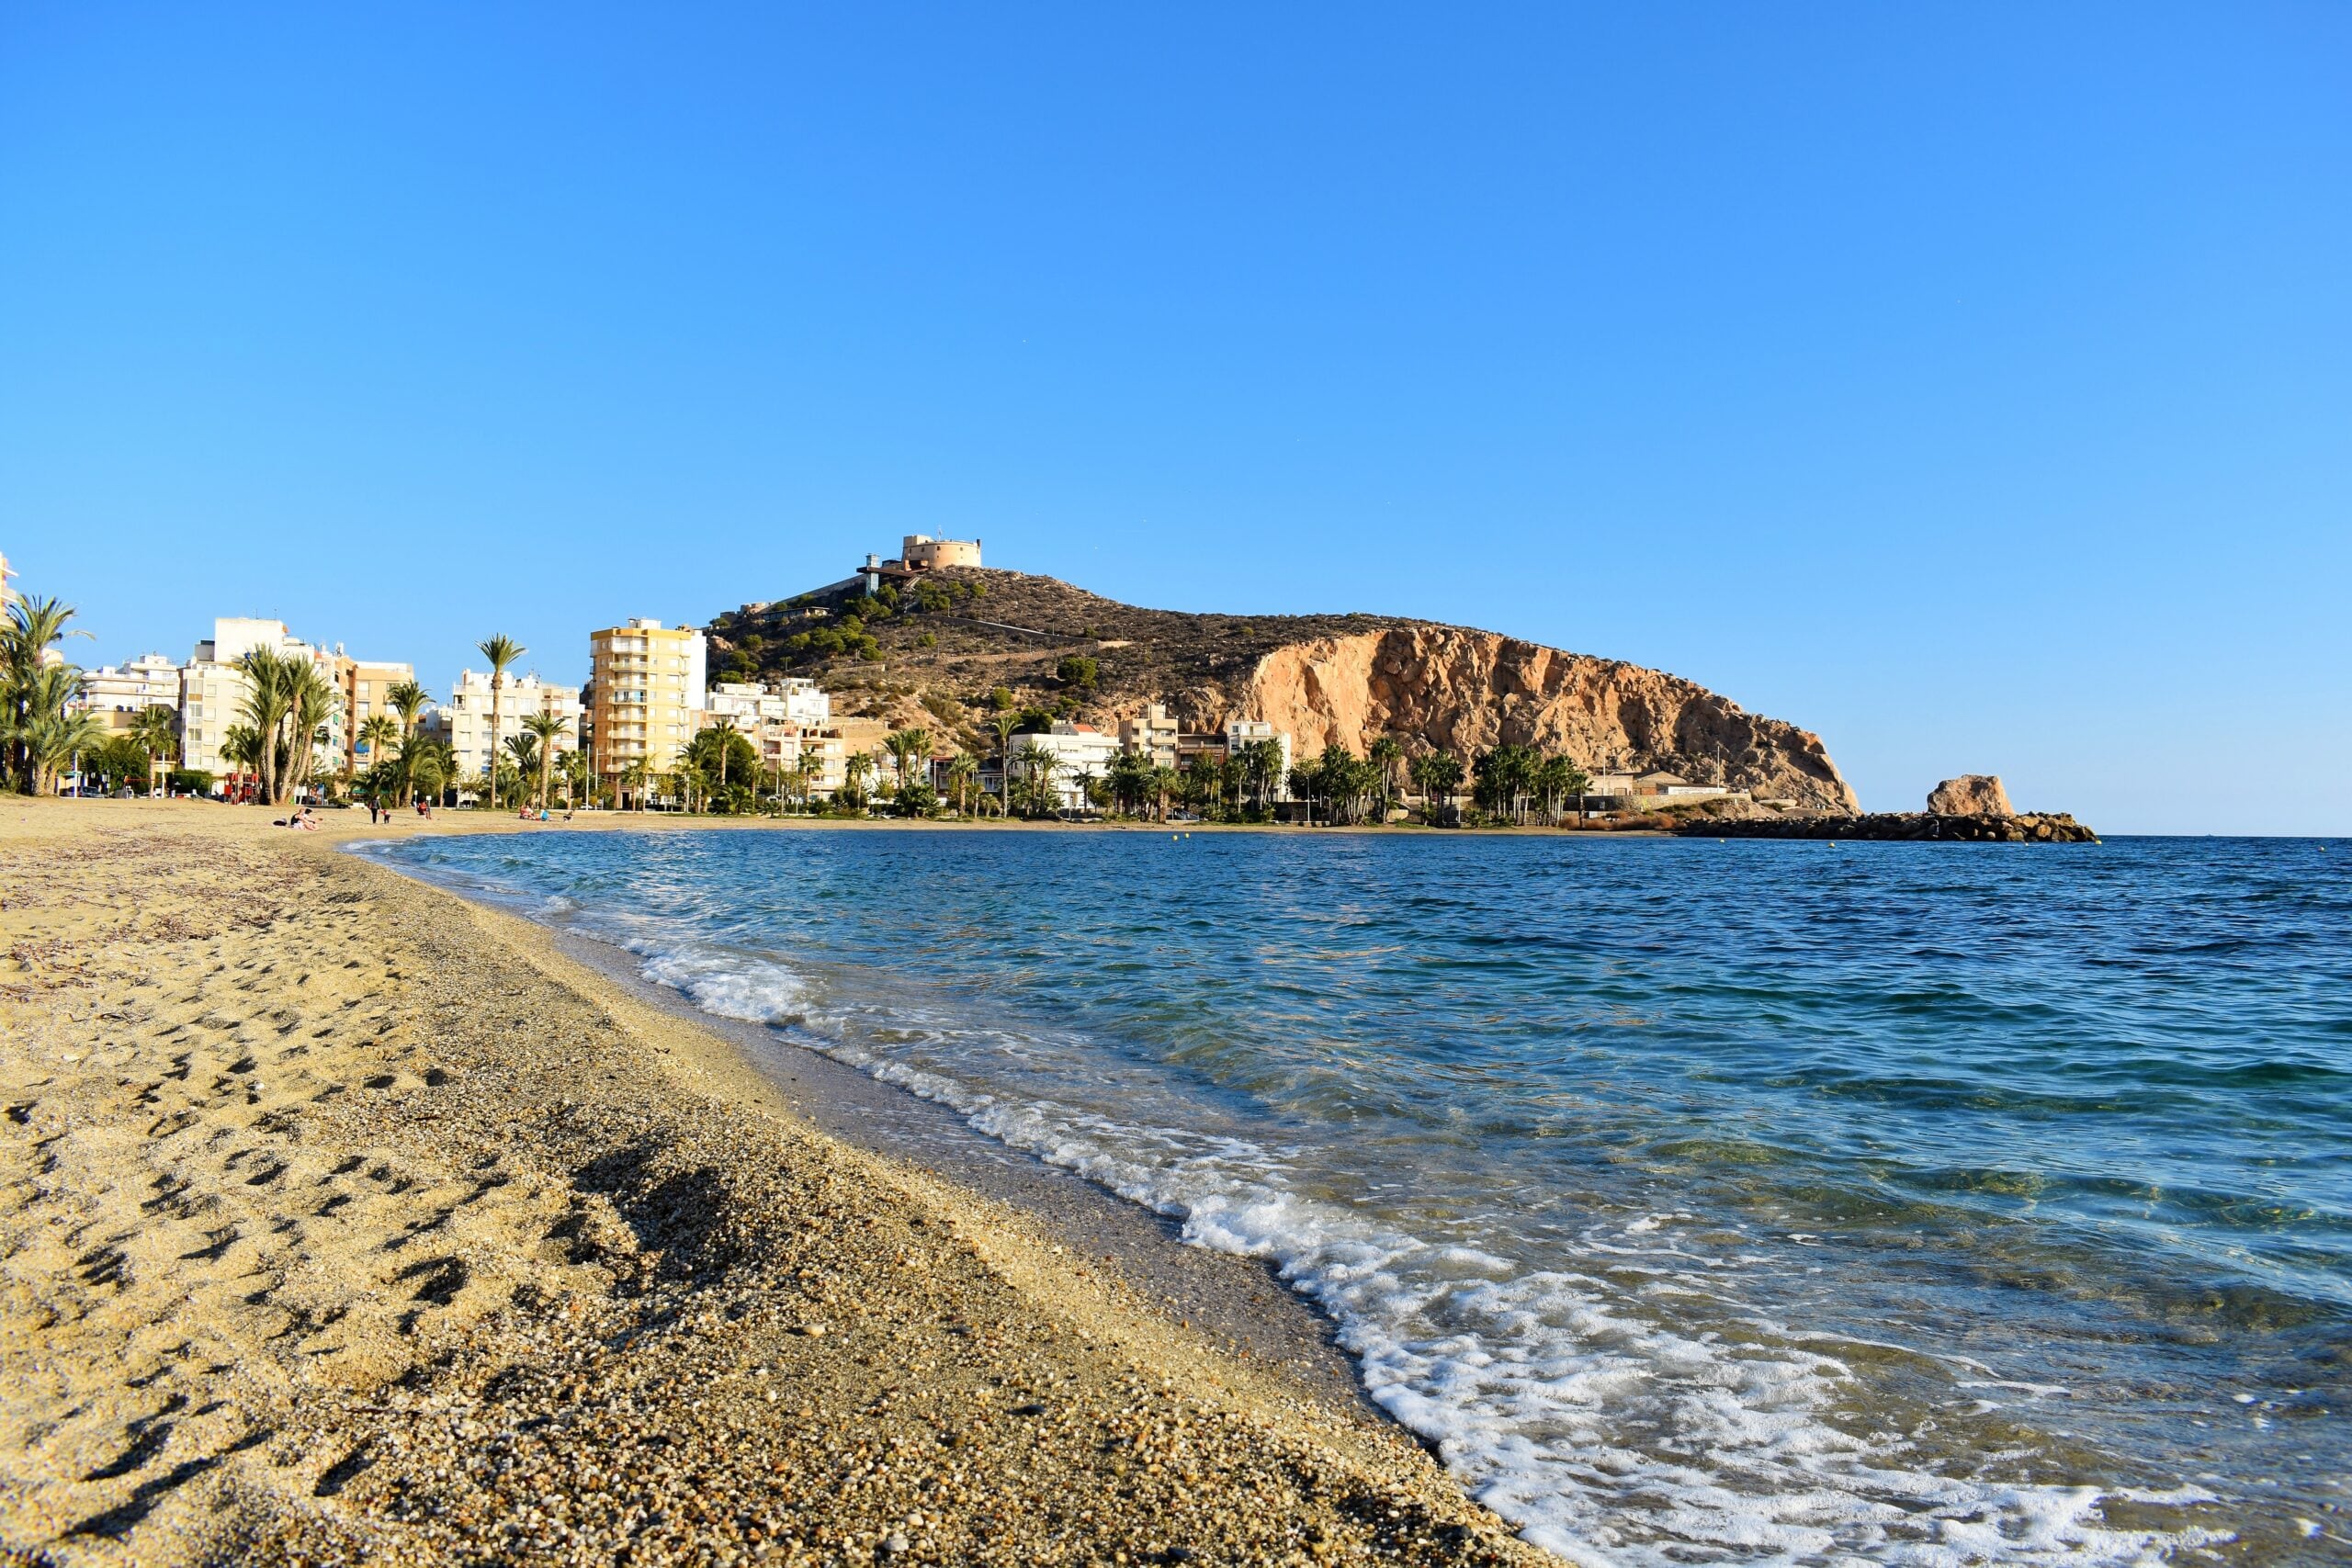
645	694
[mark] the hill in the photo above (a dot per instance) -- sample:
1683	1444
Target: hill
950	647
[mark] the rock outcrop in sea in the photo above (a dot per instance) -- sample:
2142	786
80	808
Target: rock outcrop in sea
1971	795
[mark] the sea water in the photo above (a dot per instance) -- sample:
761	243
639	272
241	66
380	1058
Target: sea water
1702	1202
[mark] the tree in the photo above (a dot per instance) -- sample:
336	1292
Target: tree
633	780
501	651
408	699
240	749
579	777
1261	763
1506	776
1037	767
904	747
854	767
1006	724
1076	670
524	750
1555	779
286	701
156	729
961	773
117	760
381	737
1204	783
37	693
805	775
1130	782
1437	776
546	728
724	762
1387	754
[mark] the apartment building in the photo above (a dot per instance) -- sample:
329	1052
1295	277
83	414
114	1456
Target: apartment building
213	689
117	694
740	705
1152	733
1248	732
520	697
645	694
1080	752
367	692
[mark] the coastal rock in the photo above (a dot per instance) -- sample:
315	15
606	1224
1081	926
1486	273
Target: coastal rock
1460	690
1971	795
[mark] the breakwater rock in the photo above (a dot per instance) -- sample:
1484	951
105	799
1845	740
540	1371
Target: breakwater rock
2033	828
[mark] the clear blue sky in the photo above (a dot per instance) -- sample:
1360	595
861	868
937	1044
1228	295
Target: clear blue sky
1973	385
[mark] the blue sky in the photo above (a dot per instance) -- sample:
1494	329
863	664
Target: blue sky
1973	385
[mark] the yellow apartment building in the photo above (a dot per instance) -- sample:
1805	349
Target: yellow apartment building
646	687
366	692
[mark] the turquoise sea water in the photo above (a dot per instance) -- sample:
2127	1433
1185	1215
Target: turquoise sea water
1705	1202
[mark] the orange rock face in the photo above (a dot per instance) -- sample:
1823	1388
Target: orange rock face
1462	691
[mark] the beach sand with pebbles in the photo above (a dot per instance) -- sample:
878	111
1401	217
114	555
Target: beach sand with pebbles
343	1220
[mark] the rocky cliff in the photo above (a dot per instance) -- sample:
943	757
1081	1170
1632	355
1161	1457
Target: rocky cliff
1460	690
937	660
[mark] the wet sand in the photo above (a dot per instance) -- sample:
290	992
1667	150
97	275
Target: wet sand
341	1219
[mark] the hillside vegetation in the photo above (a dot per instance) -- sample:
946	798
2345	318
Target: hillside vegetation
963	643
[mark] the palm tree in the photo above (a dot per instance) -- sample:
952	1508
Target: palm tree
1386	754
241	747
157	732
429	767
854	771
1433	775
268	698
33	701
546	728
54	732
577	771
1038	766
501	651
1004	724
525	750
904	747
408	699
381	737
632	782
960	773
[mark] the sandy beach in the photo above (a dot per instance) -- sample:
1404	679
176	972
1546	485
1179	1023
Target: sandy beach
343	1220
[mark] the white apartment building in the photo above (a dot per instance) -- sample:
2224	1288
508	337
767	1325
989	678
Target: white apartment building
1079	751
792	701
1248	732
212	688
520	697
115	694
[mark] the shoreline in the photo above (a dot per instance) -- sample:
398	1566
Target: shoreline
1241	1304
346	1217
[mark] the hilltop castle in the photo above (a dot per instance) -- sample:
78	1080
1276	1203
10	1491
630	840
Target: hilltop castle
918	553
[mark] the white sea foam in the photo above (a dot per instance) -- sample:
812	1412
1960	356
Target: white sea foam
1602	1434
